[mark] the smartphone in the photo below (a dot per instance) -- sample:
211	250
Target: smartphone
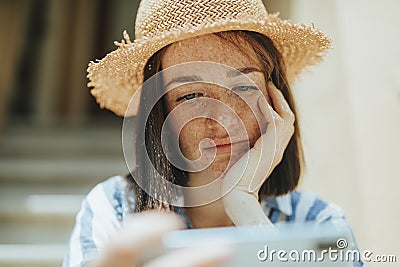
282	244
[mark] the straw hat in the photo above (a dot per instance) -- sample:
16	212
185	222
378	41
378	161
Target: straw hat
117	77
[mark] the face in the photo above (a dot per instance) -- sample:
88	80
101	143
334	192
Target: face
198	92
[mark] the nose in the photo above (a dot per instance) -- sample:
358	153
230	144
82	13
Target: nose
222	114
217	122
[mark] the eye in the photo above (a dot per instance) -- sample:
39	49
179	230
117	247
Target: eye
189	96
244	88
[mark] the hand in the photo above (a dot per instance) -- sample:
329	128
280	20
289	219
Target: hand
143	233
241	203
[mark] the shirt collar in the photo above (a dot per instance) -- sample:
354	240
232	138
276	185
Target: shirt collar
282	203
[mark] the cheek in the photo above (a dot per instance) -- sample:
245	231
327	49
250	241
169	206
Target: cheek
252	118
186	135
190	137
252	127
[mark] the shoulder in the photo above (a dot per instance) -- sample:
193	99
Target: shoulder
301	206
101	215
102	208
112	196
308	206
304	205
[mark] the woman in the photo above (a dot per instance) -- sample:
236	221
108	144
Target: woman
217	75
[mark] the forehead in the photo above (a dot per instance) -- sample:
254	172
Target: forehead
210	48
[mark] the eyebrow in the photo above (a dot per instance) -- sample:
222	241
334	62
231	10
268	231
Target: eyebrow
183	79
195	78
246	70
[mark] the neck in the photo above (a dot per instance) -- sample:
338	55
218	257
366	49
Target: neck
209	215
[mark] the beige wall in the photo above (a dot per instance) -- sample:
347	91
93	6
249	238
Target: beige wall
350	115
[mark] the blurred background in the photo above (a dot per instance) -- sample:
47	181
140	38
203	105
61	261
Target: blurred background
56	143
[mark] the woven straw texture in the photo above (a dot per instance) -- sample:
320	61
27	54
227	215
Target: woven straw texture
117	77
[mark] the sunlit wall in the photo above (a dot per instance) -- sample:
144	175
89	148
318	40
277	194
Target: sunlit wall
350	115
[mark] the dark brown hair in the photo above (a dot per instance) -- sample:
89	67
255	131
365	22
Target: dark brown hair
287	173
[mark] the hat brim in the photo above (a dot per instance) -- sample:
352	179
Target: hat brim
117	77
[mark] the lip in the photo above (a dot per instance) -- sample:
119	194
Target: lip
226	148
221	142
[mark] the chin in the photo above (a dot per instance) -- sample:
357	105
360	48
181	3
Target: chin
221	164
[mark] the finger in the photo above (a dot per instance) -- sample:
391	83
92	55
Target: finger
251	169
194	257
288	118
242	172
266	109
140	233
264	148
280	103
270	115
286	134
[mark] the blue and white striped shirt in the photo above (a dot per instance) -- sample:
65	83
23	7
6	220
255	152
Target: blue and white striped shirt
109	203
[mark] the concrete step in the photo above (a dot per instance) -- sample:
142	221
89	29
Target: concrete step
20	205
40	213
33	255
84	145
37	229
44	175
59	171
60	141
